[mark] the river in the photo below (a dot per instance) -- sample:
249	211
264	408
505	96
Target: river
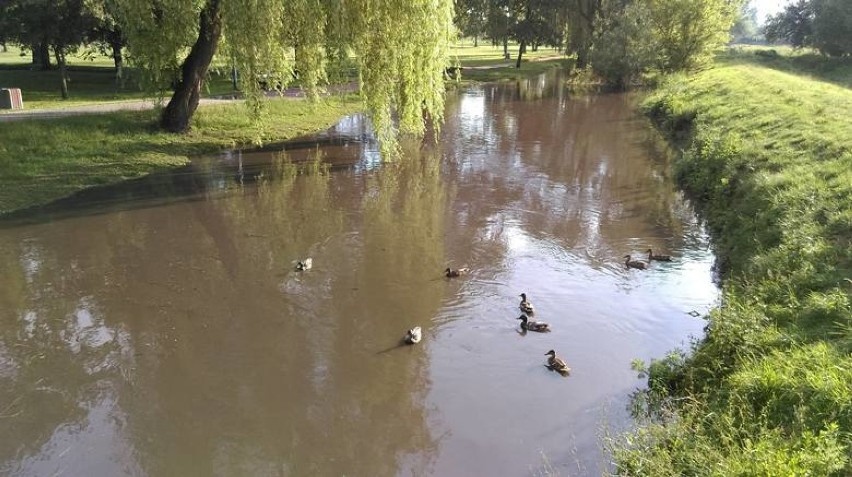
159	328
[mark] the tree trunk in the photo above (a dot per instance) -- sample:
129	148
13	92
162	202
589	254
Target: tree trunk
521	49
506	47
115	43
585	30
582	56
63	73
475	42
178	113
41	56
4	48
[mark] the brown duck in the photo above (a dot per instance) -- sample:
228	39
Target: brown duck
525	305
659	258
451	273
557	364
539	326
637	264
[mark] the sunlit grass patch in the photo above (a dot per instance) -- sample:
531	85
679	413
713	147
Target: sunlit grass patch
43	160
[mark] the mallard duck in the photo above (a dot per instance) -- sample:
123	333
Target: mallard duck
413	335
305	264
659	258
556	364
539	326
450	273
637	264
525	305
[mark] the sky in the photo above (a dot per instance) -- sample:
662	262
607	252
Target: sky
767	7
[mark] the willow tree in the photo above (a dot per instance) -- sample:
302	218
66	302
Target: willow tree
401	48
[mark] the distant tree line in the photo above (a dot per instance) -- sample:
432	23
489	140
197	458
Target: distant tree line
620	39
822	24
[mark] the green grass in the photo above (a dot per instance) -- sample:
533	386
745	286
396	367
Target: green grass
14	56
486	54
508	73
768	159
87	84
44	160
496	68
92	80
802	62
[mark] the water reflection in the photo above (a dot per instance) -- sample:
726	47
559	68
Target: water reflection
160	328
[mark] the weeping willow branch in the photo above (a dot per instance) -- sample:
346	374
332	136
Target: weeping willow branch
400	46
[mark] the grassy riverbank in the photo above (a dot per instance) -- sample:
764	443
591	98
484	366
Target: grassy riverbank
44	160
768	158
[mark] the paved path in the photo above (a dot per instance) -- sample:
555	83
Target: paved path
141	105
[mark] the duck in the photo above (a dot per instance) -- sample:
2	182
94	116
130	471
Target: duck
413	336
305	264
637	264
659	258
539	326
525	305
450	273
556	364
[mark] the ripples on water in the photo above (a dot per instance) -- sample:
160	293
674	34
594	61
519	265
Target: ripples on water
158	327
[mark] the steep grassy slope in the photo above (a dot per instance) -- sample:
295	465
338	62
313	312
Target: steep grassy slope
767	155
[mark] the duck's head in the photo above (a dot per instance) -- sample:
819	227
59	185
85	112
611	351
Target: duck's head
524	296
523	318
447	270
650	251
627	257
550	353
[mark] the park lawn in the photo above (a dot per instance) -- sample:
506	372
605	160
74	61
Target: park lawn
486	54
93	80
528	69
87	85
44	160
485	63
767	157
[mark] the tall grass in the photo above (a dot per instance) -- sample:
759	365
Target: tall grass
767	156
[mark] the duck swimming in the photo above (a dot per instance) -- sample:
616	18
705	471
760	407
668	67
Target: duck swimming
450	273
413	335
539	326
525	305
556	364
659	258
305	264
637	264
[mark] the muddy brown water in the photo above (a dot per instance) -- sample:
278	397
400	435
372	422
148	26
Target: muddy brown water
158	327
